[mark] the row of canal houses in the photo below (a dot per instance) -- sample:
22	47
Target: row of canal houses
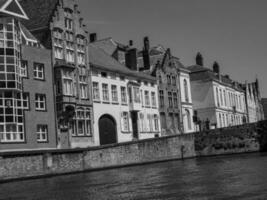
61	87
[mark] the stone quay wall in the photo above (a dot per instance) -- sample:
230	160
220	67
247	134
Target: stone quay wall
231	140
19	165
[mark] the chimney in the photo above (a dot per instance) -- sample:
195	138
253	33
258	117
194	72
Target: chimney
216	68
146	56
93	37
131	59
199	59
130	43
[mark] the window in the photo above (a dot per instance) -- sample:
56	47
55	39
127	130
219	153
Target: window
58	43
125	121
170	99
147	100
217	97
186	90
105	92
40	102
83	91
153	99
41	132
96	95
70	52
24	68
38	71
67	83
173	80
68	21
150	122
25	101
11	117
123	95
83	121
168	79
136	95
142	122
160	79
114	93
221	98
224	95
188	117
175	100
161	98
156	123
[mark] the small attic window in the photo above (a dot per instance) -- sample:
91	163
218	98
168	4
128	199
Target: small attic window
104	74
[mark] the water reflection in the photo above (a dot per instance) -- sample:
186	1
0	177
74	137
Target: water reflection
229	177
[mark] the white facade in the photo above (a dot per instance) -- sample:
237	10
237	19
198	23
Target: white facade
186	102
220	104
118	96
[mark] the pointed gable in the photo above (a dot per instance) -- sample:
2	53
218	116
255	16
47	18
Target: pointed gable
12	8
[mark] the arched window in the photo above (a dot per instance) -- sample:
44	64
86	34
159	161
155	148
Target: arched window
186	90
188	117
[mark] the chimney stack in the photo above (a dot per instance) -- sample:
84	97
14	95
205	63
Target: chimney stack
146	56
216	70
130	43
93	37
199	59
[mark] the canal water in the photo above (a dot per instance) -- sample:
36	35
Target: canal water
225	177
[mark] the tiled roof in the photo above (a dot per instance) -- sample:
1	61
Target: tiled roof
99	58
27	33
39	13
109	45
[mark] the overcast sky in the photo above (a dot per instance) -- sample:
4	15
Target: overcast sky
232	32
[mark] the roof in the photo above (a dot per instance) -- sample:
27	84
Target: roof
27	33
100	59
109	45
203	73
39	13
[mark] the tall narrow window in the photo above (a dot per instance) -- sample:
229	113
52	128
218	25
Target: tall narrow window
123	95
105	92
186	90
173	80
96	95
114	93
217	97
161	98
24	68
168	79
125	121
136	95
188	117
153	99
170	99
175	100
67	83
156	123
147	99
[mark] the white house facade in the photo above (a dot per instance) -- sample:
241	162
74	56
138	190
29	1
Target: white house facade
125	102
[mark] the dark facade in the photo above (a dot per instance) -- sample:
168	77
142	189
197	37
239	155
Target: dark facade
27	114
59	27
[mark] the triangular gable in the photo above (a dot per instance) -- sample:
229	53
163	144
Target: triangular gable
12	7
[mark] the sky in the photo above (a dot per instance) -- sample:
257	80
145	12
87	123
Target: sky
231	32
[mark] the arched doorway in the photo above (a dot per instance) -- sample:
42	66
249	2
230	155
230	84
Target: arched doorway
107	130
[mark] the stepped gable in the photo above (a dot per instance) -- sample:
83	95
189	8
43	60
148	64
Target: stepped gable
39	12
